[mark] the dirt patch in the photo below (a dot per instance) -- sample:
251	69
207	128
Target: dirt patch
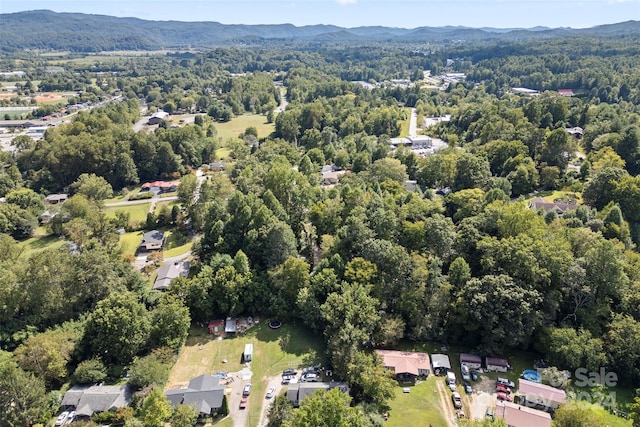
483	397
446	404
48	98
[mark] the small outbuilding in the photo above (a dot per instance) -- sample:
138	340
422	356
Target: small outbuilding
494	364
158	117
247	355
230	326
471	360
440	364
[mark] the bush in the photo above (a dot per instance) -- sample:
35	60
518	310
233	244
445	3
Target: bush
89	372
142	196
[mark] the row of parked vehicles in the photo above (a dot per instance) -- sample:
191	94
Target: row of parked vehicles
310	374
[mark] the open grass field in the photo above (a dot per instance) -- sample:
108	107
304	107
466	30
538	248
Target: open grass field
404	125
237	125
39	243
420	407
137	212
203	354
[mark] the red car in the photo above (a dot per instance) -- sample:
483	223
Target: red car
505	396
243	402
503	389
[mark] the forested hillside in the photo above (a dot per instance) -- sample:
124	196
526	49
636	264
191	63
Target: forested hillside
77	32
443	248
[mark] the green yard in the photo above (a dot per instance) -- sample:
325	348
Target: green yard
39	243
404	124
129	242
422	406
176	244
137	212
203	354
237	125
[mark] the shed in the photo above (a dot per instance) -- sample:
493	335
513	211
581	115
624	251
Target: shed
496	364
440	363
471	360
230	326
247	355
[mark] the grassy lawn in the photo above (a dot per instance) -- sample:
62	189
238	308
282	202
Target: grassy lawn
176	245
420	407
169	203
404	125
37	244
237	125
203	354
222	153
129	242
137	212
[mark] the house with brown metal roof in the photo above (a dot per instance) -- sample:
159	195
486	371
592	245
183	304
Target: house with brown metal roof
406	365
521	416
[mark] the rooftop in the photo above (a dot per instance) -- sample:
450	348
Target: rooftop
522	416
405	361
542	391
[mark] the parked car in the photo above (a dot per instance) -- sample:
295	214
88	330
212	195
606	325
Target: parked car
246	390
289	372
286	379
70	417
505	382
243	402
309	378
456	399
489	413
62	418
505	396
502	389
270	392
311	370
467	388
474	375
465	372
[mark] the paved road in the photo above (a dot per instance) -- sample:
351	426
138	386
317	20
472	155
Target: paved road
137	202
283	101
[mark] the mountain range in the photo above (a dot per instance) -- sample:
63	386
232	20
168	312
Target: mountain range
44	29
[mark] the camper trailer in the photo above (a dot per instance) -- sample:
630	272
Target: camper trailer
248	353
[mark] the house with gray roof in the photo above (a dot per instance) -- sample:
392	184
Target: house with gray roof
204	393
297	392
170	271
151	241
89	399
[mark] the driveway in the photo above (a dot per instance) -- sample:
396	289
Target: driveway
234	394
275	382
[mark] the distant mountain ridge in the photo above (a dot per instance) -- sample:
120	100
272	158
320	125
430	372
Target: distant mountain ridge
44	29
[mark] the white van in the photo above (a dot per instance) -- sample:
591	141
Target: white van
451	380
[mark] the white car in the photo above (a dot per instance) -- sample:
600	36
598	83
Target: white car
70	417
271	391
62	418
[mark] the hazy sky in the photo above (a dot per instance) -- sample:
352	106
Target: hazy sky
353	13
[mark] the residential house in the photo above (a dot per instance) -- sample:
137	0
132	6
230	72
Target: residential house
406	365
565	92
160	186
560	206
471	360
297	392
204	393
216	166
541	395
151	241
496	364
440	364
158	117
46	217
170	271
521	416
85	400
56	198
576	132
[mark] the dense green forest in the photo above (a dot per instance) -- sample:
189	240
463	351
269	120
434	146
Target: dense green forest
365	263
